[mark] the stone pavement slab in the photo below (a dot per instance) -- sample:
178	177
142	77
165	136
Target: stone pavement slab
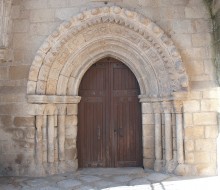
110	179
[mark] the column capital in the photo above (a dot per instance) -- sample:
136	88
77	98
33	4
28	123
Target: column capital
156	107
50	109
178	106
167	107
61	109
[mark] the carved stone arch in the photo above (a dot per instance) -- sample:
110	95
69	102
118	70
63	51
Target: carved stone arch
104	26
68	53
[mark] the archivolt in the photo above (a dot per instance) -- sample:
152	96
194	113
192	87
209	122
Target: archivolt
66	55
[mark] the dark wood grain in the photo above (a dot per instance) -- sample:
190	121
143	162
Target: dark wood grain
109	133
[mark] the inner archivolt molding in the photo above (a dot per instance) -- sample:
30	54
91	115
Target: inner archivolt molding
127	29
67	54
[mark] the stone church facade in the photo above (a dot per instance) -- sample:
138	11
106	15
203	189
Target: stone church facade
47	46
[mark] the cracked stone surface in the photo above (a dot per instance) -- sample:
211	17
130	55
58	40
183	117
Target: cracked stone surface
110	179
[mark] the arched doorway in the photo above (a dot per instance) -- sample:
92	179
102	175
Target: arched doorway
64	58
109	133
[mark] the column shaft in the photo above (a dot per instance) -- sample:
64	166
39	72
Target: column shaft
39	153
50	156
179	138
61	136
158	136
168	137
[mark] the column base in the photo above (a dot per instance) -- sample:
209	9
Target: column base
185	169
171	166
158	165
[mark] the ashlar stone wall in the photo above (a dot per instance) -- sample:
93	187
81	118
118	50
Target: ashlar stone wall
186	22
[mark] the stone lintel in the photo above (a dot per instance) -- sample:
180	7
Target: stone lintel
53	99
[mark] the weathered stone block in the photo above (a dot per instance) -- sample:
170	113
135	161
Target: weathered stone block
210	105
205	145
20	41
70	143
72	109
148	142
6	120
148	130
211	131
148	163
194	132
21	25
4	73
44	15
189	145
188	119
42	28
66	13
15	11
71	120
201	157
205	169
189	157
195	95
71	132
70	154
147	119
149	153
146	108
191	106
24	121
199	40
181	26
57	4
196	67
211	94
196	12
33	4
205	118
19	72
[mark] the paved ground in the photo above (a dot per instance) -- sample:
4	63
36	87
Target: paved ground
110	179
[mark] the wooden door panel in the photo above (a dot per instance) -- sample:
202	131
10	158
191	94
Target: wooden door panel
92	134
109	132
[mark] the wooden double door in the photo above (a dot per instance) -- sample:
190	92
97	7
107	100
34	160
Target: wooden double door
109	133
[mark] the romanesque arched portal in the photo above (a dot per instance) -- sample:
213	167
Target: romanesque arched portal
67	54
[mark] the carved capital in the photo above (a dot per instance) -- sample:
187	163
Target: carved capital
61	109
157	107
167	107
39	109
50	109
178	106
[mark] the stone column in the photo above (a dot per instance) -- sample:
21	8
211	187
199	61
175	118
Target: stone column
168	131
38	140
50	156
158	137
61	132
179	131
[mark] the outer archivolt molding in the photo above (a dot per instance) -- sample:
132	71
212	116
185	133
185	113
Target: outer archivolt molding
54	52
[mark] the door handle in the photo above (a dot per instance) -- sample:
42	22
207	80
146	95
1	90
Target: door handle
99	133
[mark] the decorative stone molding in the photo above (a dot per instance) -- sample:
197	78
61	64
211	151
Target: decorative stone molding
66	55
109	31
44	99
